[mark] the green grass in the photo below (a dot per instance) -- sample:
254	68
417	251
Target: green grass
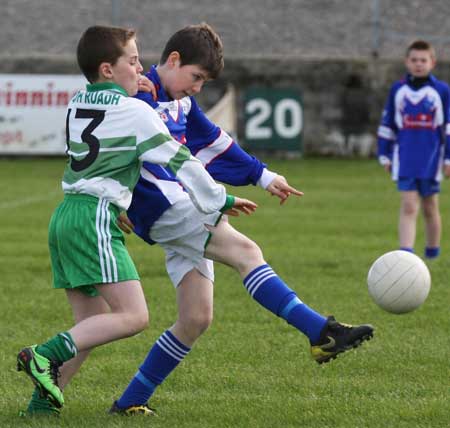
250	369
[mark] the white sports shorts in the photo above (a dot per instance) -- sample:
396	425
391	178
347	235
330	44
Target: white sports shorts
182	233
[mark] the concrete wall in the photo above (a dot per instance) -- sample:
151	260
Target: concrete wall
322	47
299	28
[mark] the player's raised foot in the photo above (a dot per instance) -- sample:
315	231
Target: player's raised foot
43	372
139	409
337	338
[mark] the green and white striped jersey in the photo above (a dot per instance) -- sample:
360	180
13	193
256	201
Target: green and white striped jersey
109	135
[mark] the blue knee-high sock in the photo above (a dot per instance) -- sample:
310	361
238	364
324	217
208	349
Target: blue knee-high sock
409	249
164	356
267	288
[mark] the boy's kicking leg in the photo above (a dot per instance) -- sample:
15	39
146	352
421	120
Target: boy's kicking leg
328	338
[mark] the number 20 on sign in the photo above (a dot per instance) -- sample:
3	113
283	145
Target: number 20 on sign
273	119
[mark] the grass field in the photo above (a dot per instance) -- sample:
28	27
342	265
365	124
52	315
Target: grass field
250	369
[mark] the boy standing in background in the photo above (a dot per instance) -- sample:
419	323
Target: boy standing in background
414	145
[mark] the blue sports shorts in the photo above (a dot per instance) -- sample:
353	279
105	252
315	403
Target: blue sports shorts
424	186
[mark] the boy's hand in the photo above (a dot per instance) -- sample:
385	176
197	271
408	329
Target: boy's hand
388	166
244	205
447	170
124	223
146	85
280	187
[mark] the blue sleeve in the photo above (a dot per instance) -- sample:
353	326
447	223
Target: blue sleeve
236	167
387	131
224	159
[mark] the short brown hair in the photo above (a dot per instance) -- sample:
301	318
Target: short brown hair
197	45
421	45
101	44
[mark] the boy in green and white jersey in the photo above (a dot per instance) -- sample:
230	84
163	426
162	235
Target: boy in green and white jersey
109	135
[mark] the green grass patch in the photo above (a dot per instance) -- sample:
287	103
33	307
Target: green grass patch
250	369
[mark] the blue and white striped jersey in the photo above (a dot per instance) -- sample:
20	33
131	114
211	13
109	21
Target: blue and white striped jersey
415	128
226	161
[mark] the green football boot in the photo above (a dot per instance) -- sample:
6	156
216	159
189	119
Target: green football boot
43	372
337	338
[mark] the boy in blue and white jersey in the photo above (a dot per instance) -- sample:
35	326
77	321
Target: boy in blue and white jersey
192	56
414	144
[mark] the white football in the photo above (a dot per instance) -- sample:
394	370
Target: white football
399	281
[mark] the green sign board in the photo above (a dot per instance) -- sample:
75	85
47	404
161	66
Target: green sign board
273	119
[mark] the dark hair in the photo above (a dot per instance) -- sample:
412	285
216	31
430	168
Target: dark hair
420	45
197	45
101	44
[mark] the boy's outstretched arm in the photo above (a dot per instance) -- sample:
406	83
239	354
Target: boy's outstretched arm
226	161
